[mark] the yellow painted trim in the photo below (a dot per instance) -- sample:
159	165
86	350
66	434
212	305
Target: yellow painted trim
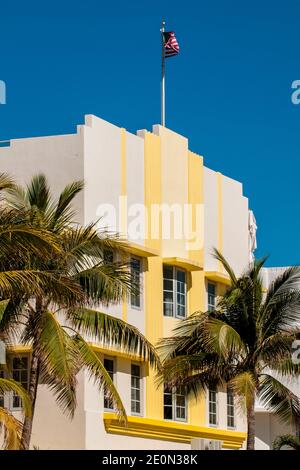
140	250
115	352
153	266
184	263
216	276
170	430
19	349
220	217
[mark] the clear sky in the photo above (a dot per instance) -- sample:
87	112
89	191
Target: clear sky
229	91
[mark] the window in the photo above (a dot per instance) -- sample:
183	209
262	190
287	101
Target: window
1	396
175	404
135	267
230	408
211	296
20	373
109	366
212	406
108	257
135	389
174	299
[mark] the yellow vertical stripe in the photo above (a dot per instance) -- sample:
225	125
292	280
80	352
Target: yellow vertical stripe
153	273
196	292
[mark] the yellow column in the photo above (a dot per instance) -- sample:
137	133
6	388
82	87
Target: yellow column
196	279
153	275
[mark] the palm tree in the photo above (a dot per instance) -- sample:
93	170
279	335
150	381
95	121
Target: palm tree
245	343
287	440
10	427
57	321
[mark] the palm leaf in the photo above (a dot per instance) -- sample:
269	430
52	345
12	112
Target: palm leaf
59	361
11	430
10	385
99	374
114	333
278	398
287	440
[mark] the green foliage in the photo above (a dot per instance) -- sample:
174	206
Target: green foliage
64	277
239	343
287	440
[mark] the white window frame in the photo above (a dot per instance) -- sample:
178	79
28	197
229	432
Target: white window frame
137	307
230	406
174	395
134	413
11	395
210	306
2	396
108	358
212	389
174	291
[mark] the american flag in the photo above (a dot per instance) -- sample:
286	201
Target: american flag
171	45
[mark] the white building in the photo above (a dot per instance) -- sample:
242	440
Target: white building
268	425
125	173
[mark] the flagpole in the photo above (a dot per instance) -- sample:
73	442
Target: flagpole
163	116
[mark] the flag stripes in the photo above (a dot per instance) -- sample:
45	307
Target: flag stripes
171	46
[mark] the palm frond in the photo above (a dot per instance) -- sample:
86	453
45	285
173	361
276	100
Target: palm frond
244	388
10	431
62	212
99	374
10	385
287	440
6	181
218	256
38	192
114	333
278	398
3	305
59	361
224	340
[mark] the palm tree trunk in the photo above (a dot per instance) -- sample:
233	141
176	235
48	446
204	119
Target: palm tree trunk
32	391
251	425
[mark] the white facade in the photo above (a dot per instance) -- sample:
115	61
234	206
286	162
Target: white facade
115	163
268	426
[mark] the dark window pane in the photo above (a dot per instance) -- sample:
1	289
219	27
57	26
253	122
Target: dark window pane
168	412
136	280
108	256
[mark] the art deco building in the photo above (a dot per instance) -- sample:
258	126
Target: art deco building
173	210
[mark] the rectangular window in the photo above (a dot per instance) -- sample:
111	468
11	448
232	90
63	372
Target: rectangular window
212	406
175	404
230	408
109	366
135	389
108	257
135	267
180	404
1	396
174	290
20	373
211	296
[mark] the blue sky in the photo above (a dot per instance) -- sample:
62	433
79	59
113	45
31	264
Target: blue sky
229	91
